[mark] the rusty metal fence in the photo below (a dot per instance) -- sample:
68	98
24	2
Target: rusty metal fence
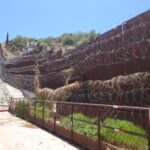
92	126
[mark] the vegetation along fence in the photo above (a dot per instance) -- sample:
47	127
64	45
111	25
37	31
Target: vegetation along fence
92	126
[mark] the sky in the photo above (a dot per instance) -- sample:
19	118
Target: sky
43	18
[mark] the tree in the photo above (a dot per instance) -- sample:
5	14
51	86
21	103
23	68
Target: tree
19	41
67	39
48	40
92	34
7	38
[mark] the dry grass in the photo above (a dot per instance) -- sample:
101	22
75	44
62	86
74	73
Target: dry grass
58	94
61	94
66	76
121	83
45	94
127	90
7	54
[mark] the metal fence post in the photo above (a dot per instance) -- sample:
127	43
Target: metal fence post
34	111
54	115
19	110
72	122
148	120
29	109
23	108
43	114
98	131
14	105
10	105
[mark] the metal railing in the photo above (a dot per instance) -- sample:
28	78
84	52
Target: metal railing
51	114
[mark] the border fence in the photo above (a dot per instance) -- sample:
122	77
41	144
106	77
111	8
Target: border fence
85	124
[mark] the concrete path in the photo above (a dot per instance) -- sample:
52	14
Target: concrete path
17	134
4	108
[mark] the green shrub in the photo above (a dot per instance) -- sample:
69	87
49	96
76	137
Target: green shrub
39	111
80	127
111	136
22	109
118	138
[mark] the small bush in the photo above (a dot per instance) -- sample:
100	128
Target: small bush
111	136
123	139
22	110
45	94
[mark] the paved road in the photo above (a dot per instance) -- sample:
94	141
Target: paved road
17	134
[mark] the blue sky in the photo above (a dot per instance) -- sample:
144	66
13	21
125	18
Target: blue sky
43	18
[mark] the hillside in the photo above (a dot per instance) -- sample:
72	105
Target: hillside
6	52
66	42
90	66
